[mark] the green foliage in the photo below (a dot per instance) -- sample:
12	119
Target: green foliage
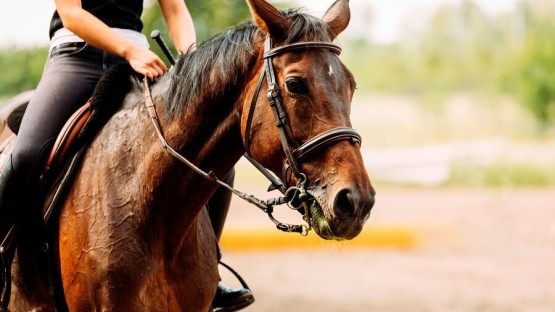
460	49
463	49
212	16
502	174
209	17
21	69
531	75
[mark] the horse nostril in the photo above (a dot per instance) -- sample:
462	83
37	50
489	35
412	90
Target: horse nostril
345	202
351	202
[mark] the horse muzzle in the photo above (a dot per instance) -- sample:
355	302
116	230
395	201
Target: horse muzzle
345	217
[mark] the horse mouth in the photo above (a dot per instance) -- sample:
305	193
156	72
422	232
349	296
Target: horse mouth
332	225
318	221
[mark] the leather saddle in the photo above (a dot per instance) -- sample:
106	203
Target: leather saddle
61	150
10	126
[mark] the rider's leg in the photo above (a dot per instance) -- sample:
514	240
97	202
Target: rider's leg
10	193
218	205
10	185
226	299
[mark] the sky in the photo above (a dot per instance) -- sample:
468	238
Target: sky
382	21
25	22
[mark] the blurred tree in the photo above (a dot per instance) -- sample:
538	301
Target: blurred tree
21	69
459	49
531	75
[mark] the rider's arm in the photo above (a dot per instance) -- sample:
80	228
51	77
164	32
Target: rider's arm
98	34
180	24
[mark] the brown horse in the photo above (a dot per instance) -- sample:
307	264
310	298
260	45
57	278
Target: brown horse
134	234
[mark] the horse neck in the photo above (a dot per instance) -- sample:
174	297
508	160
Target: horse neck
207	134
207	128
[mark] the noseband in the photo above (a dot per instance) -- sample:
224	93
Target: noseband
294	152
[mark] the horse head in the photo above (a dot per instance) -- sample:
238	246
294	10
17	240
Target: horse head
314	144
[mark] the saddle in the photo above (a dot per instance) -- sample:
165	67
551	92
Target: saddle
65	143
10	127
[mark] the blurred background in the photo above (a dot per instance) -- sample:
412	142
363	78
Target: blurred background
456	107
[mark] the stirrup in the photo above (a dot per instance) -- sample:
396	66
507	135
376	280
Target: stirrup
237	276
236	305
6	274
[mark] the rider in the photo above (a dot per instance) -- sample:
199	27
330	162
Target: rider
87	37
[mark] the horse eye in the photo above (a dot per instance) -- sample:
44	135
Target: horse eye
296	85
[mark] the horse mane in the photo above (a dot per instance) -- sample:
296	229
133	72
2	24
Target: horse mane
220	63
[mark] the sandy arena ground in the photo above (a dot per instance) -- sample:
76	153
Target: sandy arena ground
472	250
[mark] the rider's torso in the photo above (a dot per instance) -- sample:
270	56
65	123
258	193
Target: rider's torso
124	14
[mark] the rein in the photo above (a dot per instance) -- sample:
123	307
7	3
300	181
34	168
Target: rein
296	196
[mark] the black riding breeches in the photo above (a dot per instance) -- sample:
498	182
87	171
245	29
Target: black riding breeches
70	75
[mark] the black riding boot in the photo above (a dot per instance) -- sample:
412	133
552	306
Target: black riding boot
226	299
10	214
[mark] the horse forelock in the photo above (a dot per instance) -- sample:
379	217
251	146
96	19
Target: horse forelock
305	27
219	64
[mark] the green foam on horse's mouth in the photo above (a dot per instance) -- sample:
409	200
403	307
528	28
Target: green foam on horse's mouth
318	220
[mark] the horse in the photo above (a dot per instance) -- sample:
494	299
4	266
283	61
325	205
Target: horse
133	234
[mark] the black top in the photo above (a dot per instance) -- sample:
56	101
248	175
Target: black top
115	13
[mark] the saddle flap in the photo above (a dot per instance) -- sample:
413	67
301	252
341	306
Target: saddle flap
67	135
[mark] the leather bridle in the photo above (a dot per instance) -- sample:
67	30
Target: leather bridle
294	152
295	197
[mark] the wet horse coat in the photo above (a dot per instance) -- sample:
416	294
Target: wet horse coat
133	233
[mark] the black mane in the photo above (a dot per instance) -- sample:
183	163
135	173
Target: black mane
219	64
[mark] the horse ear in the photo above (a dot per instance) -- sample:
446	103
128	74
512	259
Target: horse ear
337	17
268	18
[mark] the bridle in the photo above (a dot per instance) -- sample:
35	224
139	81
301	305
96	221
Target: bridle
296	196
294	152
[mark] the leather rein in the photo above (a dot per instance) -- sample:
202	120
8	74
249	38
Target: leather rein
295	197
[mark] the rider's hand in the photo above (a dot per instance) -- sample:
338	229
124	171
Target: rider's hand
146	62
